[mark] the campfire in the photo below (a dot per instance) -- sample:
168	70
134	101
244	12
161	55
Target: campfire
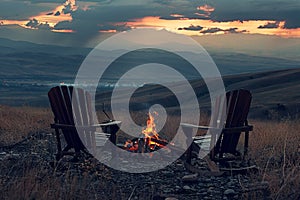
149	140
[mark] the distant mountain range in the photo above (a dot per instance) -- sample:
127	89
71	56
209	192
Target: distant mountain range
31	61
29	70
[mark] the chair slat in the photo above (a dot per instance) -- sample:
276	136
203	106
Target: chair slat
238	105
73	107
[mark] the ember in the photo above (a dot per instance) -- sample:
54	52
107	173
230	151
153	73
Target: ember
149	141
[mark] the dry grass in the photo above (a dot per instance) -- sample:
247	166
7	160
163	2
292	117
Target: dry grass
274	147
18	122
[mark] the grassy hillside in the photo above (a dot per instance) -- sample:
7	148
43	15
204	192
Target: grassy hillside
274	147
276	94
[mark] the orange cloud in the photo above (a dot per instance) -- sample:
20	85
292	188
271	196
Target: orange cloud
51	18
250	26
177	15
63	31
206	8
108	31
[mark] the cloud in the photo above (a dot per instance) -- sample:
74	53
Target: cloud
35	24
92	18
270	25
206	8
57	13
192	28
211	30
216	30
20	10
277	10
234	30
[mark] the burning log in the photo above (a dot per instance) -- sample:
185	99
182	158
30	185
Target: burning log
150	141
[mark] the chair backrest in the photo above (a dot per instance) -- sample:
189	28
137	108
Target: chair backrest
237	109
66	113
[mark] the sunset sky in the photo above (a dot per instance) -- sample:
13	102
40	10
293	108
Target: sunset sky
84	23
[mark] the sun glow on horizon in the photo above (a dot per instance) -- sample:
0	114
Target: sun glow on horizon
209	27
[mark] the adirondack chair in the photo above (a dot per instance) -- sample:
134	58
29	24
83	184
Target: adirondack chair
235	119
65	114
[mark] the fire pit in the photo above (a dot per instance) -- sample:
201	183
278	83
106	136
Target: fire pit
149	140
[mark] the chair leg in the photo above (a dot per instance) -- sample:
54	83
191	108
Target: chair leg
189	155
59	151
211	164
246	145
189	140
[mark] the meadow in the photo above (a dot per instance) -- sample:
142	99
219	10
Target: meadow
274	147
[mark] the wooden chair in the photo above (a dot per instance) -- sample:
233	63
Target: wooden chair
235	118
65	114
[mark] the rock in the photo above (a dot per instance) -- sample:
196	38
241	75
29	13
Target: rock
229	192
168	173
171	198
210	189
186	187
230	184
167	190
190	178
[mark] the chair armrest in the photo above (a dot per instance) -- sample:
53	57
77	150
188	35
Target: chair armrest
186	125
107	124
93	126
224	130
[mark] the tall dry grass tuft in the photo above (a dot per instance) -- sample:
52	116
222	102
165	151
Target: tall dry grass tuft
275	147
35	183
19	122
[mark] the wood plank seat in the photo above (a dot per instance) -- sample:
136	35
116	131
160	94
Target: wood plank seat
65	113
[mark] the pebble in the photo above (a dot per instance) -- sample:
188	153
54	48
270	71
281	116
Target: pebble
186	187
229	192
210	189
190	178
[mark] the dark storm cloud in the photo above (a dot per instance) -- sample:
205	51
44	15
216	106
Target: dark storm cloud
188	9
270	25
88	23
113	14
18	10
192	28
258	10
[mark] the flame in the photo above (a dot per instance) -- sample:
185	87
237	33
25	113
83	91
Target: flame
151	137
150	133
